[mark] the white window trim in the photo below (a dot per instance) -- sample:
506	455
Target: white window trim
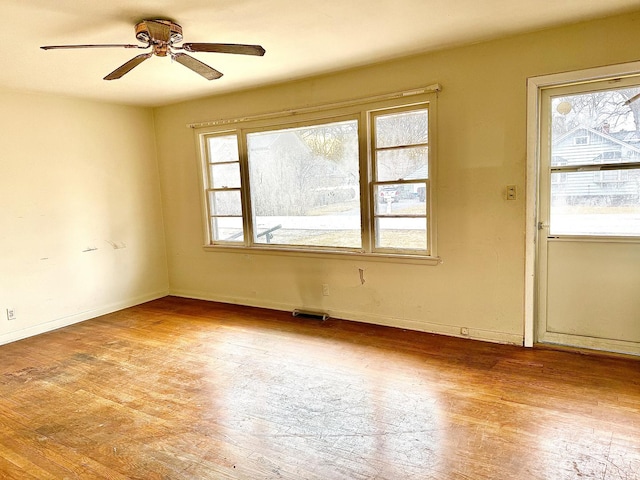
372	159
360	108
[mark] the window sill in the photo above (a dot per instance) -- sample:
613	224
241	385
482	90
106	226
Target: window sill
325	254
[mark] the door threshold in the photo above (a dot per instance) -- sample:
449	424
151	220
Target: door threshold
585	351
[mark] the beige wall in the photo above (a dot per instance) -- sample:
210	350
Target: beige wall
481	149
80	214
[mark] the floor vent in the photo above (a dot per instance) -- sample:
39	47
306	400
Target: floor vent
310	314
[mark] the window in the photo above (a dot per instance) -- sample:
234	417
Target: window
356	179
609	155
224	191
401	170
304	185
594	189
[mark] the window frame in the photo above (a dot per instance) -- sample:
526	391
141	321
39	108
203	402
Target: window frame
363	111
598	165
374	165
244	133
208	187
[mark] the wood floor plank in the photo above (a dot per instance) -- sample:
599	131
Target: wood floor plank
186	389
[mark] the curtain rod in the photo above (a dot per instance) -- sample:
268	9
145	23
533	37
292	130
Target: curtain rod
435	87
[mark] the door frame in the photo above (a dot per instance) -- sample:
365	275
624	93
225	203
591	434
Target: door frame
535	85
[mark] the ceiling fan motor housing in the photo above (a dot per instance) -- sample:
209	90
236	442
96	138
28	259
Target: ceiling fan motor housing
160	46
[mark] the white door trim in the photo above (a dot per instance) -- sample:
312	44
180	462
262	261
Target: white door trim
534	87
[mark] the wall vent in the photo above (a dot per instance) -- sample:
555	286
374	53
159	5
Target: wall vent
298	312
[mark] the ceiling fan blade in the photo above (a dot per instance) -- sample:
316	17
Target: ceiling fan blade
127	67
104	45
632	99
224	48
197	66
159	31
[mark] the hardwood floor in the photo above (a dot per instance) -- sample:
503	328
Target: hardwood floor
185	389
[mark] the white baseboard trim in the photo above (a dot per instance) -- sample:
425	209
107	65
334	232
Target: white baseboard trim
78	317
427	327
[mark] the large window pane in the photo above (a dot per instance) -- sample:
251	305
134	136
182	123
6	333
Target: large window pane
593	133
595	203
305	185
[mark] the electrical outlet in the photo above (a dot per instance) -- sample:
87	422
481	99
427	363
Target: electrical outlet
11	314
512	192
325	289
464	331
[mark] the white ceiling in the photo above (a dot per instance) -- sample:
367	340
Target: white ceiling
301	37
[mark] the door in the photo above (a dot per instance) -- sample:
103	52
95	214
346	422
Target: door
588	258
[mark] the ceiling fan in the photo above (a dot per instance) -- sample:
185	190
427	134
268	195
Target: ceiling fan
162	36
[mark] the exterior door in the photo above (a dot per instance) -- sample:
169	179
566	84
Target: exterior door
588	259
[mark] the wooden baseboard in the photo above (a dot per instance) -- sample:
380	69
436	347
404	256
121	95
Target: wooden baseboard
65	321
427	327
